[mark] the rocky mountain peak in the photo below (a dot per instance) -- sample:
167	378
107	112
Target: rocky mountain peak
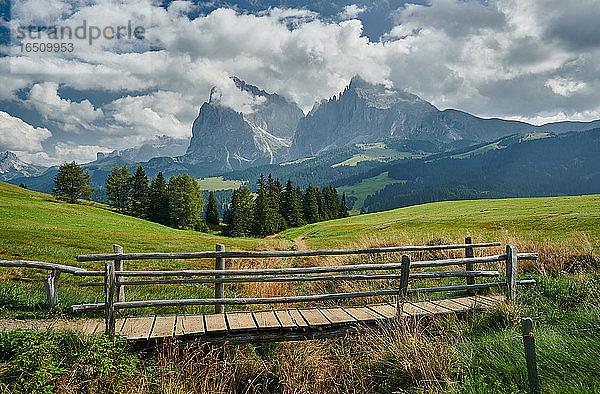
12	167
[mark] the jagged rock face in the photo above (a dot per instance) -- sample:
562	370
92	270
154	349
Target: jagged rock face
223	139
161	146
12	167
362	113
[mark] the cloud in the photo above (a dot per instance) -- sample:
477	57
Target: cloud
351	11
16	135
564	86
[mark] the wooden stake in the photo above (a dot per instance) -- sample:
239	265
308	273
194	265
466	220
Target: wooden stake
120	289
403	291
51	286
511	273
529	344
109	299
469	252
219	287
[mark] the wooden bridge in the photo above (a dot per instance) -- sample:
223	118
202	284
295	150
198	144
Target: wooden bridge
294	323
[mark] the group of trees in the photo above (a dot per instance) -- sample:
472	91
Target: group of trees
178	203
276	208
71	183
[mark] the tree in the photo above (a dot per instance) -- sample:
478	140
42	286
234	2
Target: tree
71	183
159	200
140	194
118	187
344	207
330	203
241	215
310	205
291	205
211	215
185	202
267	219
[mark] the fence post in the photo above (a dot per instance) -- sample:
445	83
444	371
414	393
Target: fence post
529	344
109	299
403	291
511	273
119	267
51	286
219	287
469	252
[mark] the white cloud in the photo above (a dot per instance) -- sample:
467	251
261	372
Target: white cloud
79	153
351	11
564	86
16	135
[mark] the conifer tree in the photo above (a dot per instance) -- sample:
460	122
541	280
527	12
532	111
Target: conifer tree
291	205
118	187
140	194
185	202
344	207
310	205
159	200
241	215
267	219
71	183
211	215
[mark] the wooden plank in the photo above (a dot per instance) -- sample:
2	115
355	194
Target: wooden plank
444	305
337	315
297	318
314	317
240	320
363	313
90	327
215	323
137	327
285	319
386	310
266	319
189	325
164	327
454	306
431	308
413	310
494	299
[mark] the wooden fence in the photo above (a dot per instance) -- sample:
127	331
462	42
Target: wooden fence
116	277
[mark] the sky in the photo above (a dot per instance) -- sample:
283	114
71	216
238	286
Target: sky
531	60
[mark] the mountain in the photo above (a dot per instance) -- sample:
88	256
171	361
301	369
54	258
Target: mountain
367	113
224	139
12	167
161	146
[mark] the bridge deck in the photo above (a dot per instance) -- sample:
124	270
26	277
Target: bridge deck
279	325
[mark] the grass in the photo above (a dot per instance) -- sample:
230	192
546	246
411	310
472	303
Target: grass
368	186
480	354
218	183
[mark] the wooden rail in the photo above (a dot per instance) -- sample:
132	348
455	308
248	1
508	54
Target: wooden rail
115	278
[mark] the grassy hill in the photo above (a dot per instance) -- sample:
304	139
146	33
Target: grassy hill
480	354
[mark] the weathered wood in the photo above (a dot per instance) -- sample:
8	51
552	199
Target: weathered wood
51	285
215	323
240	321
219	287
386	310
137	327
314	317
119	288
403	290
477	286
43	265
530	359
310	270
285	319
164	327
109	298
281	253
337	316
450	305
249	279
189	325
91	327
439	307
469	252
296	316
362	313
266	319
511	273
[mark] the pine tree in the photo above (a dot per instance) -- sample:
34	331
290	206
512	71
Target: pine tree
118	187
344	207
159	201
241	216
185	202
72	183
267	219
140	194
330	203
310	205
211	215
291	205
